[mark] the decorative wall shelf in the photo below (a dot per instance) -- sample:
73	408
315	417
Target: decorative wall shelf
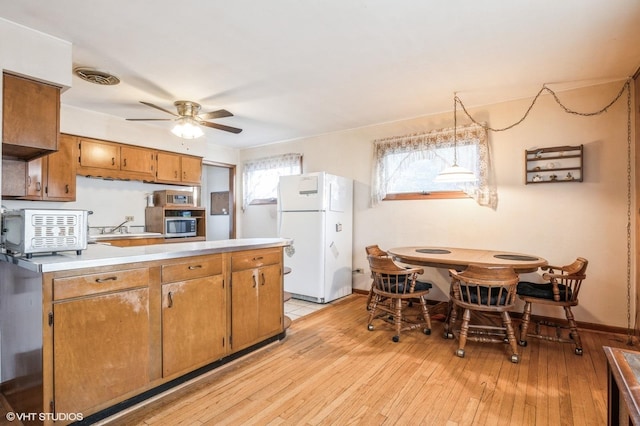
554	164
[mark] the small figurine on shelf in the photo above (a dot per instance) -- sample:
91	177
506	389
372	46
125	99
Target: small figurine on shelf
537	178
553	177
569	176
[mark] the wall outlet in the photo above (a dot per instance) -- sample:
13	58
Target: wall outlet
128	218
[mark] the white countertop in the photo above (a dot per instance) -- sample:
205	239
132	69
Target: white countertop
107	255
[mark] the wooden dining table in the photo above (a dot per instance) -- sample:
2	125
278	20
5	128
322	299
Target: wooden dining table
460	258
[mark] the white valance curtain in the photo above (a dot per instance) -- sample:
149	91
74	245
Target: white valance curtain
260	176
423	146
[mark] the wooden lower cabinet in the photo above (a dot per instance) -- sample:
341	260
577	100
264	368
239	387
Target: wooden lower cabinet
110	333
194	326
256	297
100	349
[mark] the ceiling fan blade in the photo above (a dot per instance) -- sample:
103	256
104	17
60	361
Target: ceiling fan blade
149	119
160	108
221	127
215	114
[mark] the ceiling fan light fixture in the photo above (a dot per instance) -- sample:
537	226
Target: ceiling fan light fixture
187	128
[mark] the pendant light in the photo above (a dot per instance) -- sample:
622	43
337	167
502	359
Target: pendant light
455	173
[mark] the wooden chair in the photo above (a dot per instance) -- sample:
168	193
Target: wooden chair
483	289
393	287
562	290
373	250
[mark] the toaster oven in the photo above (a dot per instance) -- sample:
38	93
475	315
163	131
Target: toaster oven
29	231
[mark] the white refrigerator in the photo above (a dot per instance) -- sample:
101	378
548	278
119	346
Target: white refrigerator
315	210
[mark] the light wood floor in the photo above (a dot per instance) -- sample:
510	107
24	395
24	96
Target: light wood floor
331	370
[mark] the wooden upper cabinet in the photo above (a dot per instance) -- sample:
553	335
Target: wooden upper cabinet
48	178
134	159
191	169
113	160
117	161
169	169
61	171
30	118
99	154
177	168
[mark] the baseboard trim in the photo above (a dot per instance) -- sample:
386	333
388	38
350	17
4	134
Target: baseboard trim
583	325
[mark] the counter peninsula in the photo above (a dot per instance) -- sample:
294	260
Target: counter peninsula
84	334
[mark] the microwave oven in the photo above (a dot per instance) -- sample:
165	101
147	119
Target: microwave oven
179	227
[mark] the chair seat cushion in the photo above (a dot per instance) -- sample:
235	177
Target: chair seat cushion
420	286
542	291
484	294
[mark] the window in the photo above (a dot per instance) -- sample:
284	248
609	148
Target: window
260	177
405	167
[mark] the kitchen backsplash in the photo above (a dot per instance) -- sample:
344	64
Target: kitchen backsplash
110	200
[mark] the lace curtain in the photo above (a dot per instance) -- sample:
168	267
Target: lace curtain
260	176
430	146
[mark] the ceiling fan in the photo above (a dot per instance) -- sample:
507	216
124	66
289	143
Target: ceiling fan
188	113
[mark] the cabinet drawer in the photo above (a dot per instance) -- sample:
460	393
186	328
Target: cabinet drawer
65	288
255	259
194	267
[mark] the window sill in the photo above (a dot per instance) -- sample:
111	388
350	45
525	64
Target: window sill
437	195
263	201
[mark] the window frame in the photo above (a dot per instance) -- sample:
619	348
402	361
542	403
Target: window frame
483	191
266	163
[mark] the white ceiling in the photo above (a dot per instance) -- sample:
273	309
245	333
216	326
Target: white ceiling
292	68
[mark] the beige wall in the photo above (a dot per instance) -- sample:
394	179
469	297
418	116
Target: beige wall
556	221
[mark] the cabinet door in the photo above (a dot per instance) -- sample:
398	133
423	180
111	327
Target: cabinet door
137	160
14	176
61	171
244	308
30	117
193	324
100	348
168	167
36	170
191	170
270	309
103	155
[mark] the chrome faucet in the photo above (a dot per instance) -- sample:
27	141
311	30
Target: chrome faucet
113	231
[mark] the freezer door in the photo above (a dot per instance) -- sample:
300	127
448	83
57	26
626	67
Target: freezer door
306	255
301	192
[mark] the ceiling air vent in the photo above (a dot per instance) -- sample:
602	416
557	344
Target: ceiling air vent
97	77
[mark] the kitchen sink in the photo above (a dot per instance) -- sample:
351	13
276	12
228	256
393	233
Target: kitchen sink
118	235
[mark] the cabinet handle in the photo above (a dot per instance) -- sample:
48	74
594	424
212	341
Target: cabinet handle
66	188
104	280
258	258
38	186
170	296
264	281
113	161
254	280
124	162
184	175
176	174
195	267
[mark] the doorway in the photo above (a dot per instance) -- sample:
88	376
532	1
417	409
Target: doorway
218	194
